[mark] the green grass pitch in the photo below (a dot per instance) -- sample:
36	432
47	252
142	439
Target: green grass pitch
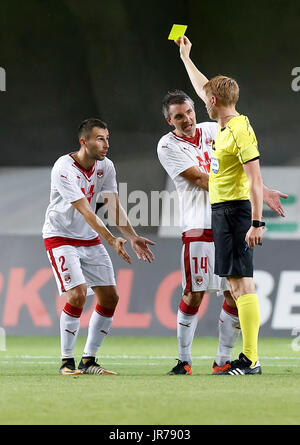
33	393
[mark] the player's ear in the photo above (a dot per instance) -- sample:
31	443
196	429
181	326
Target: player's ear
169	121
82	141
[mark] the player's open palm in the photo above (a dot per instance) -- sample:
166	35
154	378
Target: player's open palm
139	245
272	199
118	246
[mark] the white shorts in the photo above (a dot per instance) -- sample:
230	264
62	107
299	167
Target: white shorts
78	265
197	267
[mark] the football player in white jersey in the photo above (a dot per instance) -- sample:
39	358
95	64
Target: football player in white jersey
185	154
72	235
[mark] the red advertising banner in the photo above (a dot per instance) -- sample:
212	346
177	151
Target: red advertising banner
149	293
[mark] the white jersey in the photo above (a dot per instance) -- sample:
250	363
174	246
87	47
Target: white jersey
176	155
69	183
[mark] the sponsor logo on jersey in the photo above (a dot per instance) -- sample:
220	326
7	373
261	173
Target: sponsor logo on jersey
100	173
89	194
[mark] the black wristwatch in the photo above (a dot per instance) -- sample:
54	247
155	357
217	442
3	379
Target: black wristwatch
256	223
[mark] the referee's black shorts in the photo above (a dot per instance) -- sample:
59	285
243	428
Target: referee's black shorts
231	221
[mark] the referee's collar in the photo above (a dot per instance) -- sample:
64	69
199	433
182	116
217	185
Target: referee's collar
224	128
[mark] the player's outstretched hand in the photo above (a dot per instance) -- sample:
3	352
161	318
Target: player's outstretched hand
272	199
118	246
184	47
139	245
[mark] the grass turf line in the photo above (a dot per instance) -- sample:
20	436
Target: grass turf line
33	393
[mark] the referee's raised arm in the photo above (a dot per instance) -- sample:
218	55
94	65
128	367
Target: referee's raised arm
196	77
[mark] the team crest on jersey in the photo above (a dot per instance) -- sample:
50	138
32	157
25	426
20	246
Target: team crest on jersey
67	278
208	141
199	280
100	173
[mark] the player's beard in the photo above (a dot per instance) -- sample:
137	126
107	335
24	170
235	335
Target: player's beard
100	157
95	155
190	131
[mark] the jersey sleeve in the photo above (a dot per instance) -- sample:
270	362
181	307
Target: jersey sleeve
65	182
245	141
173	159
110	180
212	129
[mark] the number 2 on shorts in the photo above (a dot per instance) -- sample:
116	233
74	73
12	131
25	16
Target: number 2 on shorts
62	260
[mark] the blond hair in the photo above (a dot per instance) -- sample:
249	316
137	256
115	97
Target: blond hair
225	89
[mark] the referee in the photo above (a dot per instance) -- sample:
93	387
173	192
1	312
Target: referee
236	194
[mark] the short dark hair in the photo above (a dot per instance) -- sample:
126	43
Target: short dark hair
174	97
86	126
224	88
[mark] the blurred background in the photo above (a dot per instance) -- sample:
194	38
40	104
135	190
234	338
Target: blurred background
66	60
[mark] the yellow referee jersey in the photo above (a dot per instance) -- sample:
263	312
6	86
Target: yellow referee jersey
235	145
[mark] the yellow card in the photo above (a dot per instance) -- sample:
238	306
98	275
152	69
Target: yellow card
177	31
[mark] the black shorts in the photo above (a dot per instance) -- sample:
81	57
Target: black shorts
231	221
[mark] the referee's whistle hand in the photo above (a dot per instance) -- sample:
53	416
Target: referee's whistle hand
254	236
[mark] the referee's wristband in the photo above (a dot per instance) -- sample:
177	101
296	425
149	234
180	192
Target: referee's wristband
256	223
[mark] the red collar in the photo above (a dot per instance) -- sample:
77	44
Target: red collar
194	140
83	170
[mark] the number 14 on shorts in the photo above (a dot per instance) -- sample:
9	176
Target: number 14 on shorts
200	264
